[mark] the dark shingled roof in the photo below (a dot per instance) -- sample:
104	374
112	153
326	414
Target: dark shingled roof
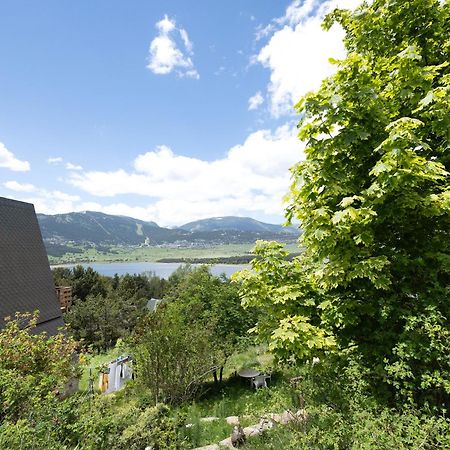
26	283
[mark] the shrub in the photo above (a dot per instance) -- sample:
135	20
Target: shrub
154	428
33	366
172	358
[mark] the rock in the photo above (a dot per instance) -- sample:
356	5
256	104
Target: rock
226	443
232	420
274	417
301	415
208	447
287	416
251	431
209	419
265	424
238	436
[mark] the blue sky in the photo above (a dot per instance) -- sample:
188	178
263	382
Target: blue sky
168	111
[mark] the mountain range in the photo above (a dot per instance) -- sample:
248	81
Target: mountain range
99	229
235	223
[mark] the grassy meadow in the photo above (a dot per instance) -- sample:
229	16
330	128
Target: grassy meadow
153	254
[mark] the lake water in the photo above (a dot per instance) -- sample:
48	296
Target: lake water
163	270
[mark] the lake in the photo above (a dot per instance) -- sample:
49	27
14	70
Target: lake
163	270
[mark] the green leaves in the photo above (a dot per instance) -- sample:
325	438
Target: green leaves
296	336
284	294
32	365
372	197
426	100
410	52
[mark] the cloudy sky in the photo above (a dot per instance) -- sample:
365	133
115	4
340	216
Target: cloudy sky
169	111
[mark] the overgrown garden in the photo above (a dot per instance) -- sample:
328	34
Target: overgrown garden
367	299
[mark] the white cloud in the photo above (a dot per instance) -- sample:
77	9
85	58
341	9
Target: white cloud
45	201
171	50
255	101
9	161
55	160
19	187
186	41
252	178
70	166
262	32
298	11
165	25
298	51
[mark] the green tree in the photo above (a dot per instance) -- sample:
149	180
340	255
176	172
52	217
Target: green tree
289	304
172	357
154	428
87	282
373	200
62	276
84	282
99	321
211	302
146	285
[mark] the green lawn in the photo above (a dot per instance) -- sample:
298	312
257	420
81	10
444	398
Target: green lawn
234	397
340	415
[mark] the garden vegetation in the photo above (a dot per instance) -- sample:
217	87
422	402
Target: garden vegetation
367	298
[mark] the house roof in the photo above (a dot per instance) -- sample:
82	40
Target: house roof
26	282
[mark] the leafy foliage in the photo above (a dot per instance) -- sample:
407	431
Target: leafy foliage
190	336
172	357
289	306
343	414
106	308
213	303
146	285
83	281
33	366
372	197
154	428
35	415
100	321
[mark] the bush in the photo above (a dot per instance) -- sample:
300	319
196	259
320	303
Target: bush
100	321
361	430
172	358
345	413
33	367
154	428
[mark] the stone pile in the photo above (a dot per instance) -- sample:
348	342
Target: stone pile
266	422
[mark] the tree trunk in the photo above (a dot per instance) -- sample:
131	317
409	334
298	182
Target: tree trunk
221	374
215	377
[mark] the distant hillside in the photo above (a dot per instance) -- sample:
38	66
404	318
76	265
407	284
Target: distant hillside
99	228
237	224
91	228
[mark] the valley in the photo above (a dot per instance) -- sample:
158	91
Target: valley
83	237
